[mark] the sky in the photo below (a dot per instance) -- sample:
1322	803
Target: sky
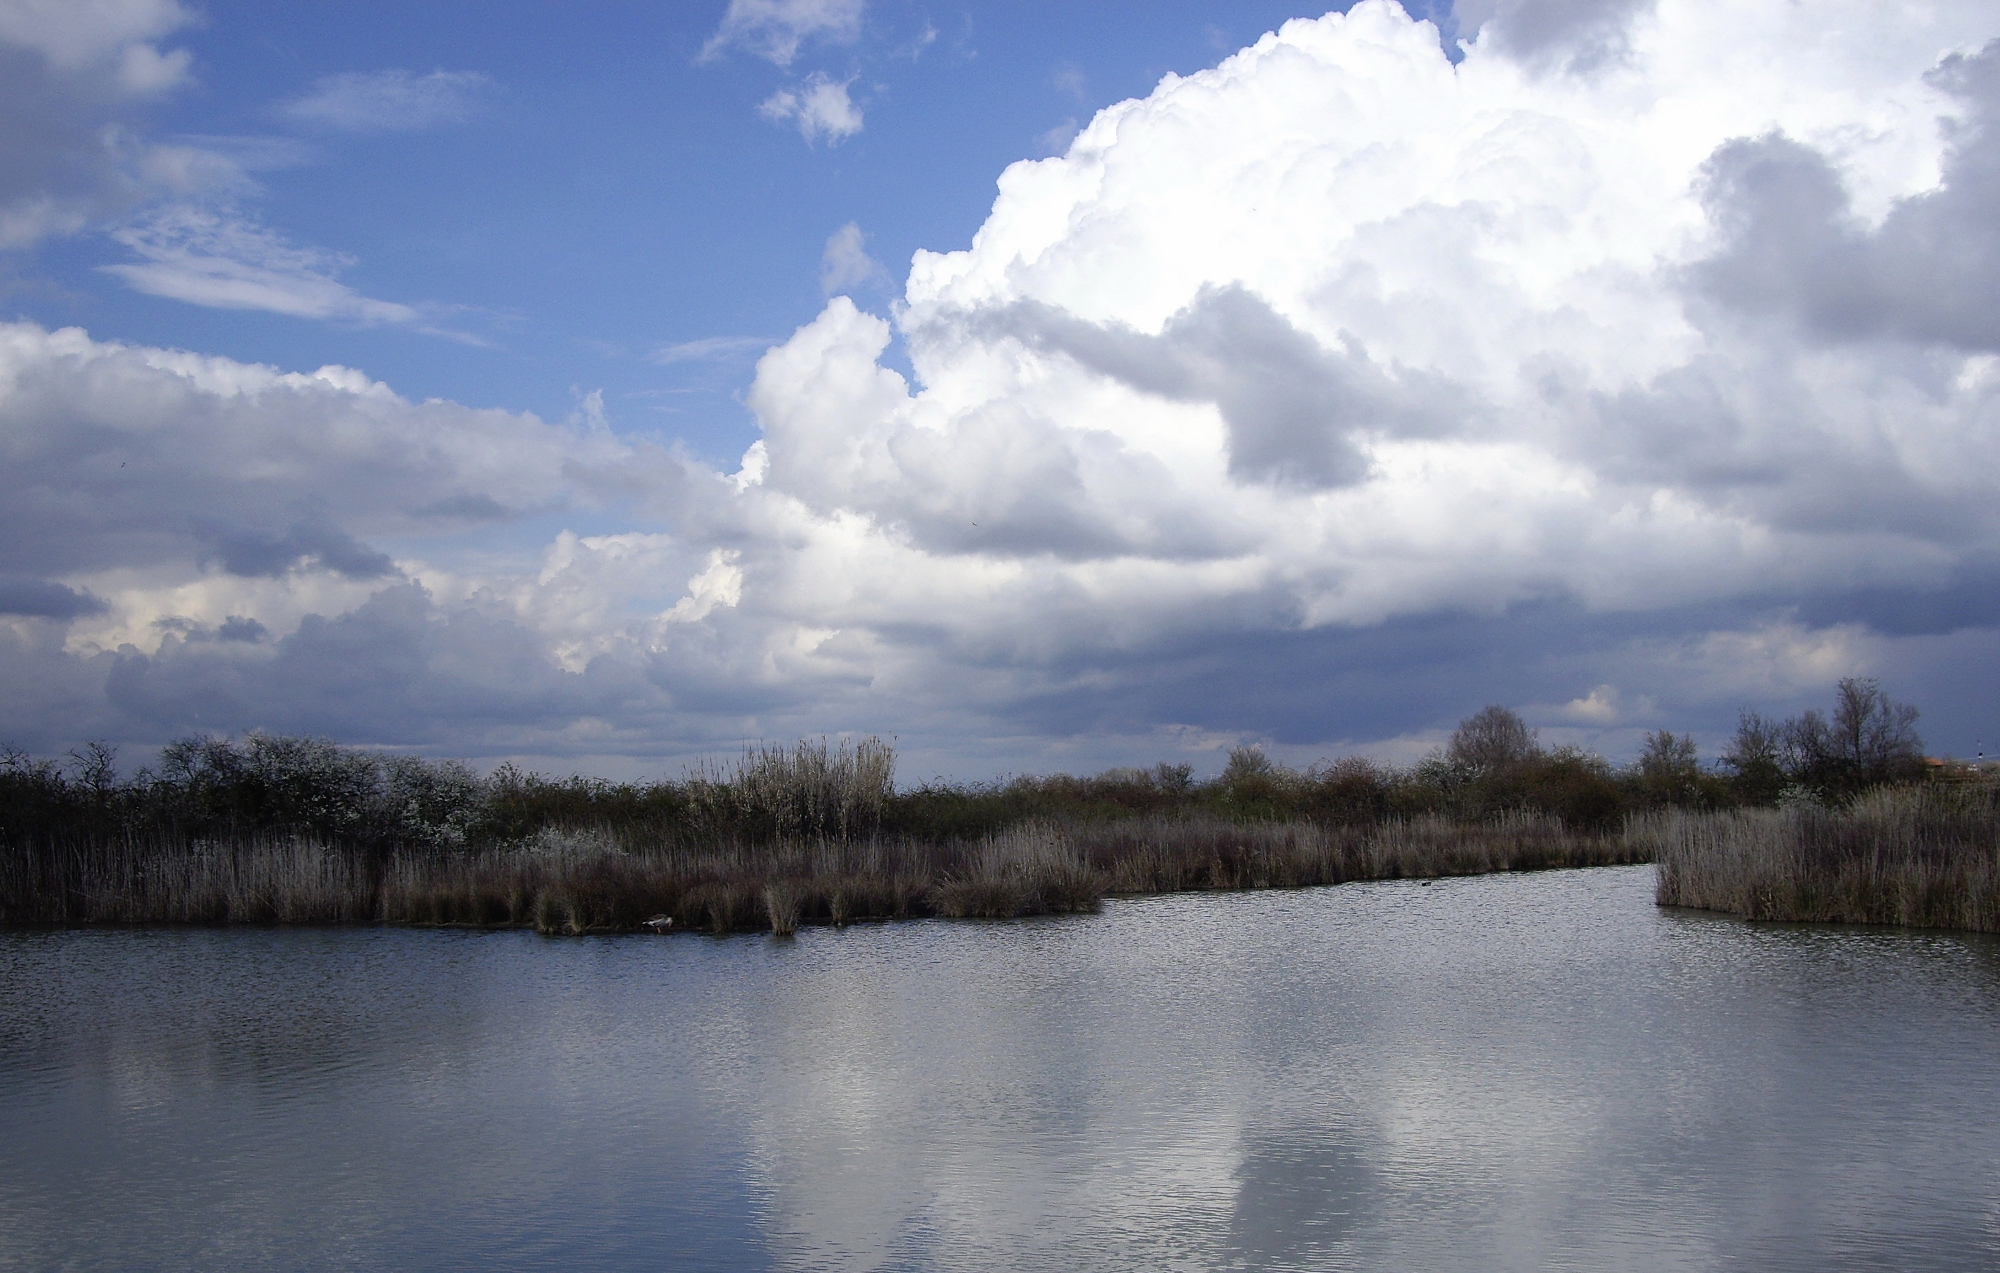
1048	387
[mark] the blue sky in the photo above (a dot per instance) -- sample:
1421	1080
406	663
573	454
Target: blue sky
1047	386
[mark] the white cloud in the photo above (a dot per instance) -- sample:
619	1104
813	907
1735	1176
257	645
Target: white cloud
775	29
215	259
819	106
386	101
846	264
1602	706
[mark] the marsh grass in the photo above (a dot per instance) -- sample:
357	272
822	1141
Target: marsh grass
1030	869
592	881
1926	857
1161	855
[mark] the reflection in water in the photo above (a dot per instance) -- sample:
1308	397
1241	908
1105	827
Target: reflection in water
1515	1072
1298	1195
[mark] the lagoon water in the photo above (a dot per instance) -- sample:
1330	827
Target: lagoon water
1514	1072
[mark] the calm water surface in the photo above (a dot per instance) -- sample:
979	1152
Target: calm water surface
1515	1072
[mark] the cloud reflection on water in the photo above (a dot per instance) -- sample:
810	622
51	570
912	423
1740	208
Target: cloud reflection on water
1537	1071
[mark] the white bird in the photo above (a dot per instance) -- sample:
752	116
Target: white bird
660	923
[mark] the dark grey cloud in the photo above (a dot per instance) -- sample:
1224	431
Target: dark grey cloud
396	669
1569	35
306	545
1968	597
471	678
44	599
238	628
1793	248
1743	428
1425	672
1408	674
1293	407
464	507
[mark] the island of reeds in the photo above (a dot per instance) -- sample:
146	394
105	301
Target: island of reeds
1814	818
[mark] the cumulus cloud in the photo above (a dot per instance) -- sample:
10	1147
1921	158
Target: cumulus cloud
1929	272
775	29
818	106
1439	339
389	101
1320	397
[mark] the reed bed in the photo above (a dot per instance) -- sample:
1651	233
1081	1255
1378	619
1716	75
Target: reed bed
572	882
1925	857
1164	855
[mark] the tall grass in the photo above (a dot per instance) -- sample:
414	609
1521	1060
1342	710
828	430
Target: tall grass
572	882
811	789
1159	855
1927	857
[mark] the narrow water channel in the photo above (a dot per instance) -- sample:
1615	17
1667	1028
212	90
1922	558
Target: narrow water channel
1514	1072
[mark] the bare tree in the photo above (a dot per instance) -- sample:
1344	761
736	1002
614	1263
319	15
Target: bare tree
1669	768
1870	739
96	768
1754	757
1873	734
1491	739
1667	758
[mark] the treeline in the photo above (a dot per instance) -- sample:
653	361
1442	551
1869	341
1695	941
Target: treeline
209	788
284	829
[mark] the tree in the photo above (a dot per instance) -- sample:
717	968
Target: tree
1492	739
1870	739
1250	777
1668	760
1874	736
96	769
1669	767
1753	759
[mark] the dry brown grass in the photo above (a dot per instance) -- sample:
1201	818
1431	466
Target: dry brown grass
1163	855
1922	857
584	882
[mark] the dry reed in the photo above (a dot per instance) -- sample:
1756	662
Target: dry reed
1922	857
580	881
